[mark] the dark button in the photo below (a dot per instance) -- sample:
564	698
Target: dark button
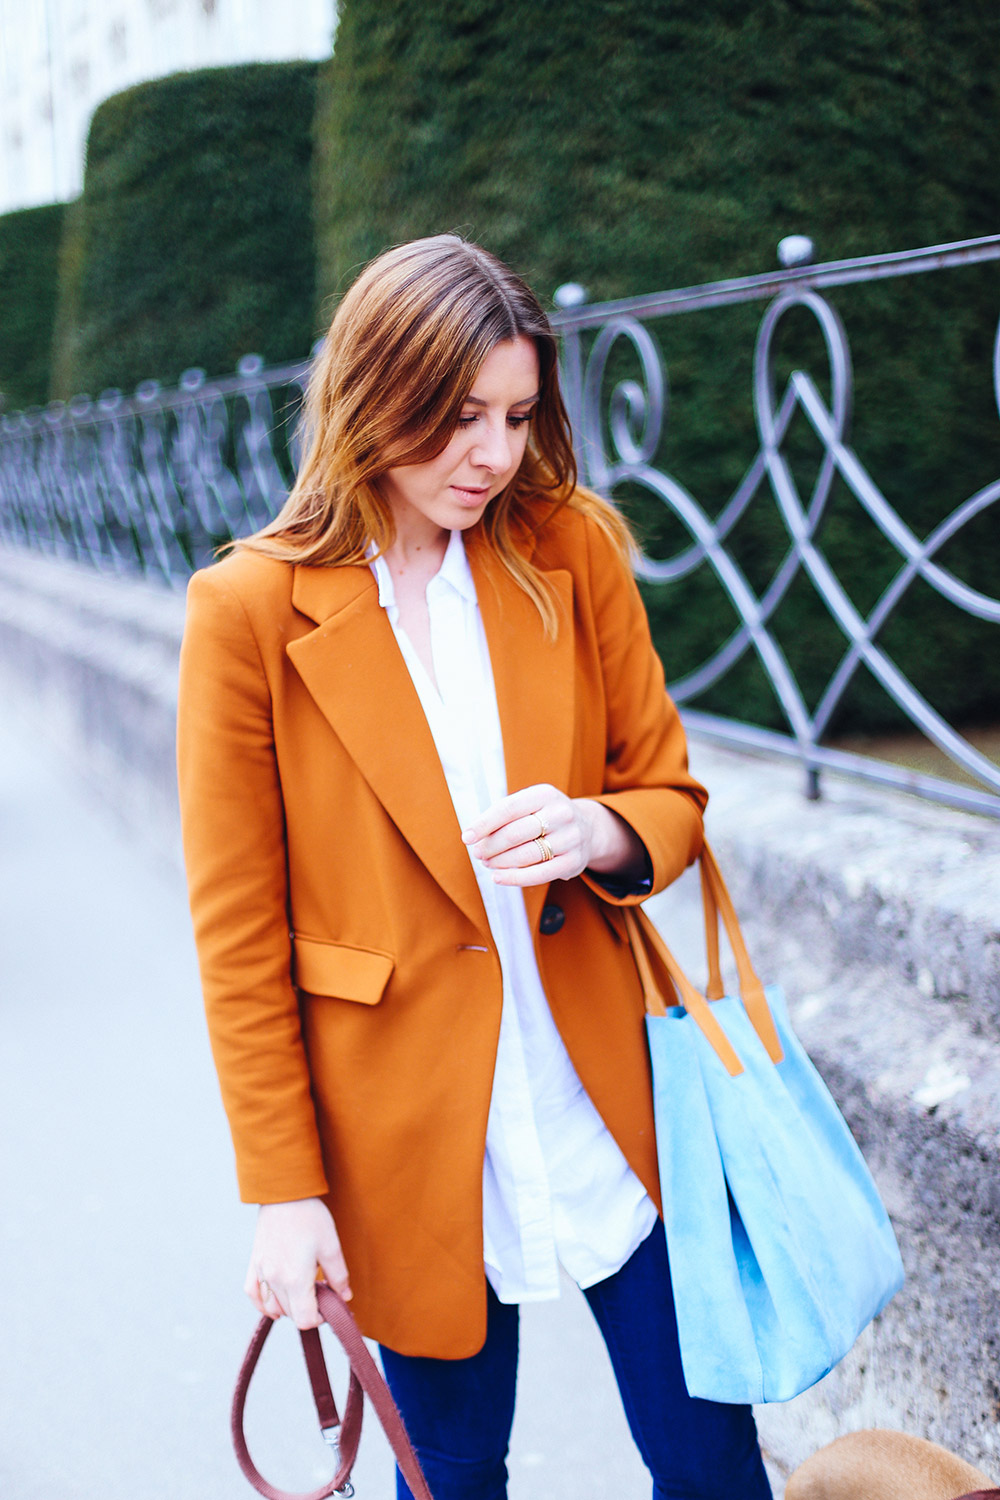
552	919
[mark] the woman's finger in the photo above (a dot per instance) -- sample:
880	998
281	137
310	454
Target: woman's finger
523	833
521	804
539	822
562	868
561	854
263	1295
335	1272
532	851
303	1309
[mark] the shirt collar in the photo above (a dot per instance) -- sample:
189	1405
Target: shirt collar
379	566
454	571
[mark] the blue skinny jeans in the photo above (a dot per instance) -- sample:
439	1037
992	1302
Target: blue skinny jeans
458	1413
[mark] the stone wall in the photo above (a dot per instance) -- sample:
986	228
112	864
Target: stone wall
880	915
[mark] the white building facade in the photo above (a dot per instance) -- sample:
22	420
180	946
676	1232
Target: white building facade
60	58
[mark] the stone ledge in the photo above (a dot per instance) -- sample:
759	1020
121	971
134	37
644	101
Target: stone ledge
145	610
894	880
92	661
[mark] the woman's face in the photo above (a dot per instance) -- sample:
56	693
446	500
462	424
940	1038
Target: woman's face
452	490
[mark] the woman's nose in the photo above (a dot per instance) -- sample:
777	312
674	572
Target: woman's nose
493	449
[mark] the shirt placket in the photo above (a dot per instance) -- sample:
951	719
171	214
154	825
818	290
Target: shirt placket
512	1139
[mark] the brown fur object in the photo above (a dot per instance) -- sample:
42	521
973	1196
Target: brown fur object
876	1465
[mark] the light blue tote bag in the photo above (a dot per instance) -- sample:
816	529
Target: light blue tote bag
780	1249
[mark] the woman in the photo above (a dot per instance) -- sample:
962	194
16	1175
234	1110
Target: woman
425	757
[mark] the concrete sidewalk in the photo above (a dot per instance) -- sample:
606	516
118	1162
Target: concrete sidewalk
122	1244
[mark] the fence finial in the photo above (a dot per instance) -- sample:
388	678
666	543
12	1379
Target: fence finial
796	250
570	294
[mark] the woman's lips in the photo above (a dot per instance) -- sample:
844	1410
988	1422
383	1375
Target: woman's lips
473	495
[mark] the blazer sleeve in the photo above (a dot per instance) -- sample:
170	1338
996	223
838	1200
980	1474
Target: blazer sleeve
234	846
646	778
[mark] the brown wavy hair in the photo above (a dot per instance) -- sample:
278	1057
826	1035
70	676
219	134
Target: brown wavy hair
387	389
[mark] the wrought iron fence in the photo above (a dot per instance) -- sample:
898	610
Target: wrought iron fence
154	483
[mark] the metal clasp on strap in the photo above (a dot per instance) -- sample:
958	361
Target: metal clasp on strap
331	1436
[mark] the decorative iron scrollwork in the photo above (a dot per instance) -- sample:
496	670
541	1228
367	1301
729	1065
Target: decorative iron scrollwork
157	482
618	436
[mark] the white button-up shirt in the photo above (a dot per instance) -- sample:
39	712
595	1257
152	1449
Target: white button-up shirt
556	1187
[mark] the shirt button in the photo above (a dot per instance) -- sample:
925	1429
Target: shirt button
552	919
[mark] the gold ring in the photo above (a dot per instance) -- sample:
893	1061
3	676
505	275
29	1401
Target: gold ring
264	1291
542	829
544	849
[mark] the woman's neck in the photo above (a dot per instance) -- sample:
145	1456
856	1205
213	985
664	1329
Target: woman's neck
412	567
417	556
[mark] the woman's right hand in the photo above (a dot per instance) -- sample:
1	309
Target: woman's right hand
291	1240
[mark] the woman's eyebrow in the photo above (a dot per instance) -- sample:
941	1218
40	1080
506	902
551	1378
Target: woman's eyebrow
525	400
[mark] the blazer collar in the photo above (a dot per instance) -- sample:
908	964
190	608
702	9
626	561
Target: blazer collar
352	666
319	593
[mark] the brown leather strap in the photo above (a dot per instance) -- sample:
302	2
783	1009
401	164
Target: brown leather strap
336	1313
365	1380
347	1451
326	1407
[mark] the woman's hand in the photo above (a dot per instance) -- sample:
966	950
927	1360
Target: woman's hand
539	834
291	1240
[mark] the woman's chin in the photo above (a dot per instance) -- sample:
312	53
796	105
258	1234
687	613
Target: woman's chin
467	511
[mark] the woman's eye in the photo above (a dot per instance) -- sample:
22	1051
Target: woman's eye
514	421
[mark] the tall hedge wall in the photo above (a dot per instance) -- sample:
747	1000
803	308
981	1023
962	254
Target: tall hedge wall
193	243
29	250
633	147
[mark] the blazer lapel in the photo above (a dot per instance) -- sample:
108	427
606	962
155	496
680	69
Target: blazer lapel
534	679
352	666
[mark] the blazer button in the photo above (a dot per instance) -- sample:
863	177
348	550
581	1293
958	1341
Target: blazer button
552	919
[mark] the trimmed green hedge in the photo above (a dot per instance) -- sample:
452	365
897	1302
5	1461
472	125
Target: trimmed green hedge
635	147
29	249
193	243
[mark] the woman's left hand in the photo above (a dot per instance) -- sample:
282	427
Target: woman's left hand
539	834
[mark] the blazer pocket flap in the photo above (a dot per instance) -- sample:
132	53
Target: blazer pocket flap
348	973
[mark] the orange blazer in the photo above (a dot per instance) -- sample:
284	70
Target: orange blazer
351	981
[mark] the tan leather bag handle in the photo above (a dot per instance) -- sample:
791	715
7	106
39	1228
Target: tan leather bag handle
718	902
645	940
